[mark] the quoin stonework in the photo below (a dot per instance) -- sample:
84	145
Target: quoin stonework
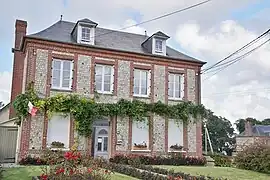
85	59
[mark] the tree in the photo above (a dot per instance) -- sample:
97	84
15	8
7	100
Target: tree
221	134
240	123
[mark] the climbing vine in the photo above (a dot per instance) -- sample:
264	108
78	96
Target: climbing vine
86	110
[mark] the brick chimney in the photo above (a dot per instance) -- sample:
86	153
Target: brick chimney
248	128
17	78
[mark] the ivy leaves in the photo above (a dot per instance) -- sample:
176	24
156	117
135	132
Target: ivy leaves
86	111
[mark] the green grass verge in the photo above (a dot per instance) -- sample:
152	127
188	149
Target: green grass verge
224	172
26	173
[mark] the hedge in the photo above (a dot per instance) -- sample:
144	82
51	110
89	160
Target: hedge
175	160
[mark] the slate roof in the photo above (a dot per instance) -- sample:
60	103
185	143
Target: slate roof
259	130
106	38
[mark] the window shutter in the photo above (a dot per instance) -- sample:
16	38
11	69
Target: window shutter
182	86
56	73
149	83
66	74
112	79
71	74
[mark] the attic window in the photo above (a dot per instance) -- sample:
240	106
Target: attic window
85	34
158	46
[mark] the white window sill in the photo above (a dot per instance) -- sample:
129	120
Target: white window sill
105	92
143	150
177	151
175	99
61	89
156	51
57	149
140	96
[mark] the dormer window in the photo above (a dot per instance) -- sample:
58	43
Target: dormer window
85	34
84	31
158	46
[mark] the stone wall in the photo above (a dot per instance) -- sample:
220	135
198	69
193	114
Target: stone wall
83	87
191	96
36	134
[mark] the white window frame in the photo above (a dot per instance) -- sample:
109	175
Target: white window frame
181	85
61	74
67	118
171	135
83	39
158	47
146	125
102	91
140	84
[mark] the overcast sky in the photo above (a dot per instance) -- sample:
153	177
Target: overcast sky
209	32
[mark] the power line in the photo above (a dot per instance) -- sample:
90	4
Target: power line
239	50
237	59
156	18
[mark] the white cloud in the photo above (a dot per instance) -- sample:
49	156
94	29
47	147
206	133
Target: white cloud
5	86
238	81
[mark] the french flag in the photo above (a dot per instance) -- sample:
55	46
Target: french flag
32	109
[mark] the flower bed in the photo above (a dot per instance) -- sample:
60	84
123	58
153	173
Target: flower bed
175	159
149	172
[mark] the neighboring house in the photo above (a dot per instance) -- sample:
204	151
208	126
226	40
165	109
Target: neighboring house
77	57
251	135
4	116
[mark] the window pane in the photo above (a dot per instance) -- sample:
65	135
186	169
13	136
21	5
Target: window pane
136	82
56	78
140	133
66	65
107	87
98	70
105	145
107	70
56	64
144	75
65	83
98	86
171	76
137	74
144	91
107	79
54	124
136	90
99	146
66	74
177	94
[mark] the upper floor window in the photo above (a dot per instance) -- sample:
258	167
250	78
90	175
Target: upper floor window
85	34
158	46
176	86
141	85
62	74
104	78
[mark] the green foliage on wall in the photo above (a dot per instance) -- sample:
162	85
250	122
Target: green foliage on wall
85	110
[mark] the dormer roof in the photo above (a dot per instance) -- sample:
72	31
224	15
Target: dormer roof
161	35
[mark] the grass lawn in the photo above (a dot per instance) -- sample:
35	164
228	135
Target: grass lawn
224	172
26	173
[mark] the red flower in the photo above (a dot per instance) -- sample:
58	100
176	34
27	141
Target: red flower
89	170
44	177
71	172
60	170
38	161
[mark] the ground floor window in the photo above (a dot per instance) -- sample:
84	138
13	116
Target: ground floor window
140	135
175	135
58	130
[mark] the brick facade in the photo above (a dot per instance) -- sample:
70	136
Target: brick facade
40	55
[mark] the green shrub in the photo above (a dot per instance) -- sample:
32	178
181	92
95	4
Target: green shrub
174	159
222	161
255	157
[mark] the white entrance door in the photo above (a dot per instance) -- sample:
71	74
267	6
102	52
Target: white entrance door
101	142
